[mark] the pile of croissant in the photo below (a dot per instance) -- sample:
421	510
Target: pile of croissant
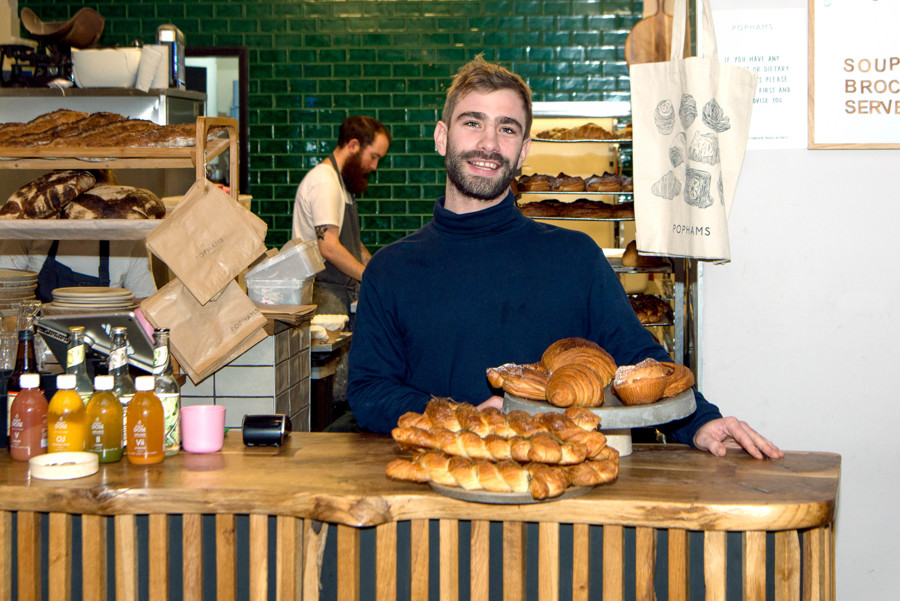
456	444
573	372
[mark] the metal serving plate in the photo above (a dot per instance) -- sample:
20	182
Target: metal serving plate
613	414
503	498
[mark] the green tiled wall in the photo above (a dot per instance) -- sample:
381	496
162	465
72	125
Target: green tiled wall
314	62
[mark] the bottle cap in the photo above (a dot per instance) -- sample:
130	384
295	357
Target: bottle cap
144	383
65	381
103	382
29	381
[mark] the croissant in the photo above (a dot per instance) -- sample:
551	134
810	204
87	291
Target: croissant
541	481
579	350
528	381
575	384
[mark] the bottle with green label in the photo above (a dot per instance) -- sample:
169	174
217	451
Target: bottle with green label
76	363
167	389
105	423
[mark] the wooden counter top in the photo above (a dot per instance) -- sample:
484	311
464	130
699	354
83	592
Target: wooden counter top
339	478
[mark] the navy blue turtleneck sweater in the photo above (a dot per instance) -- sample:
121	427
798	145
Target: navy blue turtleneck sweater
473	291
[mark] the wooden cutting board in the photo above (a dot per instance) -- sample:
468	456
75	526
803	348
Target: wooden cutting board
650	39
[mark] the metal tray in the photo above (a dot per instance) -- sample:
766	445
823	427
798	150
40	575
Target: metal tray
613	414
503	498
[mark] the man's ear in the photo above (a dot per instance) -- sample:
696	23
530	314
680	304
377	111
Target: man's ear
353	146
440	138
526	146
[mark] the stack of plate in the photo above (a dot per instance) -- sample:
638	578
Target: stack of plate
16	285
93	298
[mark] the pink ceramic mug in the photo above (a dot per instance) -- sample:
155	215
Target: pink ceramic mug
202	428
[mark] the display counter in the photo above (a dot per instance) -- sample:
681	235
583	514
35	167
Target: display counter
783	510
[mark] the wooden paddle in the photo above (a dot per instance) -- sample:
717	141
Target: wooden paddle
650	39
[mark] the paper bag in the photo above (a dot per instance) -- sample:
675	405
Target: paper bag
208	240
690	118
204	338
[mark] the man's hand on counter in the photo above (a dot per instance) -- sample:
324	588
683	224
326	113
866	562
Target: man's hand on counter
715	436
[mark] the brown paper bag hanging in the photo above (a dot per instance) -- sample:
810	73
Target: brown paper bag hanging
205	337
208	240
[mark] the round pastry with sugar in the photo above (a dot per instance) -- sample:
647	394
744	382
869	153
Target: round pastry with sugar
642	383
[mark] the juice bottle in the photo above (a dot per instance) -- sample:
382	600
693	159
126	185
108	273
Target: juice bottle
167	389
104	421
66	424
28	420
145	424
25	363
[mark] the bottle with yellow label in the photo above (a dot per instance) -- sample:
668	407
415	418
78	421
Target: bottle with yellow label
104	421
145	424
66	423
76	363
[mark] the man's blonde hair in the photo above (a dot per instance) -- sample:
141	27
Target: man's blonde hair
478	75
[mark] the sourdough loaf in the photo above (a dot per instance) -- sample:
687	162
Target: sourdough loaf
44	197
115	202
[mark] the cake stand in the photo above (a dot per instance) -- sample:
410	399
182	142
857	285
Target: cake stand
616	419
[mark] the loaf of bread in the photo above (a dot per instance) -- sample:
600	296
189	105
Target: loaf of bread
67	129
115	202
632	258
43	197
588	131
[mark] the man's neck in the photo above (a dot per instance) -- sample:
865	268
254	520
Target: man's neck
340	156
459	203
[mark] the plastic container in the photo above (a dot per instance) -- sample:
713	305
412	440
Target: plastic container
297	260
281	292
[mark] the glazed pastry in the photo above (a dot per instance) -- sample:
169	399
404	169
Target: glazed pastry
567	183
528	381
603	469
575	384
651	309
579	350
534	183
640	384
608	182
583	207
679	379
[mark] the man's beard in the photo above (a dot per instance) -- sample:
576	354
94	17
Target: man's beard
355	178
476	186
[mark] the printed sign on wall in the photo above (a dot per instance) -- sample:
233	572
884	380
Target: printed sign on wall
854	74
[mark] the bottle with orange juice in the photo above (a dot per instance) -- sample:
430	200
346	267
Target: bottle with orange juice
66	423
104	420
145	424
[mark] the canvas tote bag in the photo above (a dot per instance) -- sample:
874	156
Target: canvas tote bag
690	118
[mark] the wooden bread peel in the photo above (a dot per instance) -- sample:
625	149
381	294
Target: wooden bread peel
650	40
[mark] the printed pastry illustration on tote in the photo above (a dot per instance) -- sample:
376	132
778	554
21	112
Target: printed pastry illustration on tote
703	150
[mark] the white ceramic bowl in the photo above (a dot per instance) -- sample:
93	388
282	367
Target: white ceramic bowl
106	67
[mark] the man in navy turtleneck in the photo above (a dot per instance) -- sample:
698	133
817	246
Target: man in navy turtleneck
482	285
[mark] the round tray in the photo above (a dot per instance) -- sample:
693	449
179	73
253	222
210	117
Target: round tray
613	414
503	498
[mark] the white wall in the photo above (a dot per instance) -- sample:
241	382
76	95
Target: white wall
800	338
